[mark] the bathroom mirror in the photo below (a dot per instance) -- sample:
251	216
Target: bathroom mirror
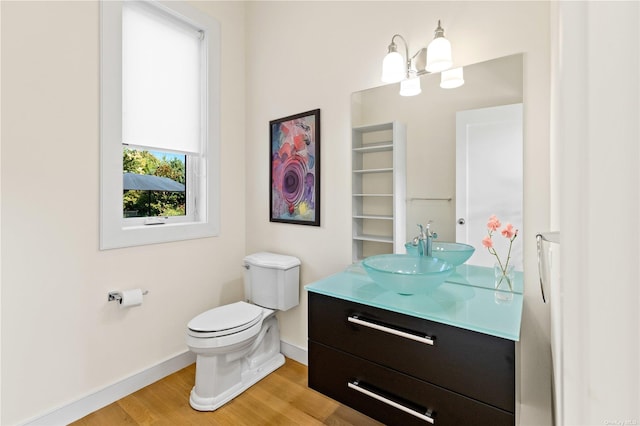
491	173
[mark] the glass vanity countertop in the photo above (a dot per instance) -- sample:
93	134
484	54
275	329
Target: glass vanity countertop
481	276
466	300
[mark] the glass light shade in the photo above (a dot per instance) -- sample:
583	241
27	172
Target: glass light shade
439	55
410	87
393	68
450	79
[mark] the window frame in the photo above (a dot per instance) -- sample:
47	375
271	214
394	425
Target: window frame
115	232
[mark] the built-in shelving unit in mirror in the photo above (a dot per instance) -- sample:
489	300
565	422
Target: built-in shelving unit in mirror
378	189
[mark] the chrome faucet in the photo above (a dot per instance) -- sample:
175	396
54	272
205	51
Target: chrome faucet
425	240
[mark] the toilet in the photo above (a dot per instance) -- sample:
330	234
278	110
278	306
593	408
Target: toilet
238	344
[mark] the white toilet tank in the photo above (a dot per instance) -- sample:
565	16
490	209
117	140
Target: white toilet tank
272	280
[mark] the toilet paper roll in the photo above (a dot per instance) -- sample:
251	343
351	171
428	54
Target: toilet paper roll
131	297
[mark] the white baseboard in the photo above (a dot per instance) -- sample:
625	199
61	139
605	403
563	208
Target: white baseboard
294	352
90	403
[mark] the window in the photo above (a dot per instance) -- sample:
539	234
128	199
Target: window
154	184
160	123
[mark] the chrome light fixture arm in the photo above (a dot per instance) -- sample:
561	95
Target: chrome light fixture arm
393	47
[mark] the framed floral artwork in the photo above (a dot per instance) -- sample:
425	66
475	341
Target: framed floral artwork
295	169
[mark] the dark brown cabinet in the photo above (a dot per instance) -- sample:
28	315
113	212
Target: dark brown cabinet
405	370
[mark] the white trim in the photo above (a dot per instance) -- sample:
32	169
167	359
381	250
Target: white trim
294	352
92	402
596	131
112	393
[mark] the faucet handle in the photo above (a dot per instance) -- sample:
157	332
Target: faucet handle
428	232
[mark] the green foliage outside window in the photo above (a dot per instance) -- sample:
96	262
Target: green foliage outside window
137	203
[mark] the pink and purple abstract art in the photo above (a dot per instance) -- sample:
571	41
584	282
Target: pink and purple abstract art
295	169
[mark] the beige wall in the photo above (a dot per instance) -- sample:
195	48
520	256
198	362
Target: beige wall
306	55
60	338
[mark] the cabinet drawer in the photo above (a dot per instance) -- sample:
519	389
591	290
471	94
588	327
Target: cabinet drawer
391	397
473	364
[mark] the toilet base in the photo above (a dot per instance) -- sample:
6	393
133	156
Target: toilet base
248	379
222	373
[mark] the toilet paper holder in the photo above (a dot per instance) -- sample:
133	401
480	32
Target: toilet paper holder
117	295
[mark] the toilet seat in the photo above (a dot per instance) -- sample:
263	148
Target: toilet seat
225	320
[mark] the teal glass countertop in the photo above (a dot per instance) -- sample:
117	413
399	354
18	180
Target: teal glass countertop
466	300
483	277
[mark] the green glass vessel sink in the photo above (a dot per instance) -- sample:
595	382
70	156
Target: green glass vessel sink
455	253
407	274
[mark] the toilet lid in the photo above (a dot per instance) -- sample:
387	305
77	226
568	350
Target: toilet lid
227	319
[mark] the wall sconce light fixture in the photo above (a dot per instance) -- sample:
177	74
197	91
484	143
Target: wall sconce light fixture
436	57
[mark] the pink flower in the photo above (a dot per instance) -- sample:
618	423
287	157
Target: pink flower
494	223
508	231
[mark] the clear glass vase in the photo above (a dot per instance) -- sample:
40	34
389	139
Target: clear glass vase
504	278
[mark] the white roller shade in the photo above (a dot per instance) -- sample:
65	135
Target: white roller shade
161	80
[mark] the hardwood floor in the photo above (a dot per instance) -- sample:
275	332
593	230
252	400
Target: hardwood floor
281	398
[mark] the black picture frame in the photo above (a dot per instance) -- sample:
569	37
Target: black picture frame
294	169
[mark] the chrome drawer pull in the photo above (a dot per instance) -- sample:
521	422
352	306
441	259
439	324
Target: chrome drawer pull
355	386
426	339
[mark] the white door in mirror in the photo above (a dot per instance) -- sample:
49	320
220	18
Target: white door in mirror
489	178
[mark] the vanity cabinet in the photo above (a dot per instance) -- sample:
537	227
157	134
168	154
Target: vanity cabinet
378	189
404	370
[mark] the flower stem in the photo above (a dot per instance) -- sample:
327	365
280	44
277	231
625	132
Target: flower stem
506	264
